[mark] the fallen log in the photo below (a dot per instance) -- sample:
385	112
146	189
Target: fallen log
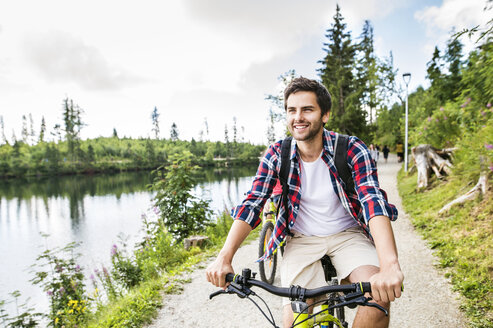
479	188
428	158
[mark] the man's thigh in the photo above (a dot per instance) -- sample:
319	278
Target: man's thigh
301	265
350	250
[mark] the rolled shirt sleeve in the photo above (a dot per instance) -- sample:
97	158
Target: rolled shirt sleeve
373	199
262	187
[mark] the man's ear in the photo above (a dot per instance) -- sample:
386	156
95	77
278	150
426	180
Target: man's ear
325	117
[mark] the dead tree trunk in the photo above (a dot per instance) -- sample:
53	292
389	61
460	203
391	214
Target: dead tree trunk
429	158
480	187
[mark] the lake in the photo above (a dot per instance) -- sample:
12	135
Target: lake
95	211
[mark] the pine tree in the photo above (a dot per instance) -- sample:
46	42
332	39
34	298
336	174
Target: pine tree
174	134
32	135
226	134
337	75
434	73
155	122
42	130
388	86
24	133
235	138
226	141
271	136
206	125
73	125
2	127
115	134
57	135
368	70
453	59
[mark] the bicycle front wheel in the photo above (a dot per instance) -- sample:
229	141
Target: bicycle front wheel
267	268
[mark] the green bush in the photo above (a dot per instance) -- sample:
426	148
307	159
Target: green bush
181	212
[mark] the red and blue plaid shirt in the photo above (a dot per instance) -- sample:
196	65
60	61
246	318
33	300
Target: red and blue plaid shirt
367	202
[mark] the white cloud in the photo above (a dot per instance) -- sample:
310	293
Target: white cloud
456	14
452	16
60	57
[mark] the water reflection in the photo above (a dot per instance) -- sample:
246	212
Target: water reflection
92	210
76	188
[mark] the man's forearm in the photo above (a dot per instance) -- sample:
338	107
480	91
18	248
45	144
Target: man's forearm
237	234
387	283
383	237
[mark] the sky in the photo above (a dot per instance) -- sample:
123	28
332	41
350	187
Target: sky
196	61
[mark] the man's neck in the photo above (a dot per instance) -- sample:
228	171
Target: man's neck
310	150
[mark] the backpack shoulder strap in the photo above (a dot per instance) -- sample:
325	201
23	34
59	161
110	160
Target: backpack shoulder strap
285	160
340	159
283	177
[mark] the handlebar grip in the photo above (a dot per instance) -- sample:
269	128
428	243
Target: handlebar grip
366	287
230	277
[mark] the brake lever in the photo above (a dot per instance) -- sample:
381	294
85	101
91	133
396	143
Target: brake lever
234	288
361	300
378	306
219	292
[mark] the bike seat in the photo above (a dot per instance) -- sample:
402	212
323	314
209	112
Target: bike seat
329	270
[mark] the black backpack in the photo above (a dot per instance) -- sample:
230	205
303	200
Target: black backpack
340	159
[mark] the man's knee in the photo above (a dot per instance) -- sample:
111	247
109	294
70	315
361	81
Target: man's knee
287	316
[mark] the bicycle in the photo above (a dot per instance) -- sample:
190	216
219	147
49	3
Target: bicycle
337	297
268	267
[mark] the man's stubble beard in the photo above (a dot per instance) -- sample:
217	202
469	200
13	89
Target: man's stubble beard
312	133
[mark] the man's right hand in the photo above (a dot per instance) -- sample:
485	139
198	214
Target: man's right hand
217	270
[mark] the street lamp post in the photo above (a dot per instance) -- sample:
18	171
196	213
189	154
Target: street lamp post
407	78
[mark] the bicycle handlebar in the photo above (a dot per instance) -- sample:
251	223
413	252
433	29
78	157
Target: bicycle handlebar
297	292
353	294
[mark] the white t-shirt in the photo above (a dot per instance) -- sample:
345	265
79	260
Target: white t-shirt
321	212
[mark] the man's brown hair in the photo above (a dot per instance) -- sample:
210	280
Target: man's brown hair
303	84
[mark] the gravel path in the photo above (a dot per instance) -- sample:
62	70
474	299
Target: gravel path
426	302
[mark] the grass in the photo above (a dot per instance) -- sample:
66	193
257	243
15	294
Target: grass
140	306
462	240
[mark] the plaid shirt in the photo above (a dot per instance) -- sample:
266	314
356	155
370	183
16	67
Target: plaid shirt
367	202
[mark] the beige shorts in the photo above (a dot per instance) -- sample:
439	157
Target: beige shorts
301	264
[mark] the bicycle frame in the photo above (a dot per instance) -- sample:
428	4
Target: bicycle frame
322	318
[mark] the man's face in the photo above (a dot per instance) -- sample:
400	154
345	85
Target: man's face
304	116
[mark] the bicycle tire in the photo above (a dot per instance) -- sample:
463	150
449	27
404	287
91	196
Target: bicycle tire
268	267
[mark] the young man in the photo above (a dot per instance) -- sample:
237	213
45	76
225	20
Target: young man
354	230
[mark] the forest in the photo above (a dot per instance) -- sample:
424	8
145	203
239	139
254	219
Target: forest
66	153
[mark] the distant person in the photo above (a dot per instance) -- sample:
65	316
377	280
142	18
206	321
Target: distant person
374	153
399	148
386	152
